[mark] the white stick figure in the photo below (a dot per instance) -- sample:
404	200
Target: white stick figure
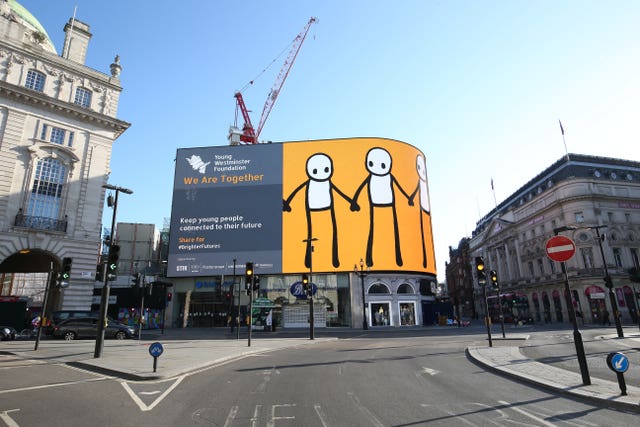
318	197
381	194
422	189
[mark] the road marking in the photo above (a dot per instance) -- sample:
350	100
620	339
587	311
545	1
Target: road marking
321	415
40	387
374	420
150	393
143	406
4	416
232	416
429	371
527	414
271	422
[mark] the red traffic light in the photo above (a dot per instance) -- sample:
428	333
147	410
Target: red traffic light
169	296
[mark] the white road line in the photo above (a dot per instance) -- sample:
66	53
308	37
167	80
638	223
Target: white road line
527	414
143	406
150	393
232	416
372	418
4	416
429	371
321	415
40	387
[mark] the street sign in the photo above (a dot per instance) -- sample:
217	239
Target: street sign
560	248
156	349
618	362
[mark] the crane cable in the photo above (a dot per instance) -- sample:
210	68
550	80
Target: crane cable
270	64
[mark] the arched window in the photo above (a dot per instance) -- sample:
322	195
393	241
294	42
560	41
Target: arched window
83	97
35	80
379	288
405	288
48	184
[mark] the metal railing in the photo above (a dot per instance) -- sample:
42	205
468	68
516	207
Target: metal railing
40	223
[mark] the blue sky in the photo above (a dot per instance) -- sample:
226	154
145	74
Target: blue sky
478	86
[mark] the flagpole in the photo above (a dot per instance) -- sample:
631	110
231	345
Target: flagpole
563	140
495	202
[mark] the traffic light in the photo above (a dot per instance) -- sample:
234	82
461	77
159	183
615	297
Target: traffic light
494	278
482	276
169	296
112	261
305	284
135	281
65	274
256	283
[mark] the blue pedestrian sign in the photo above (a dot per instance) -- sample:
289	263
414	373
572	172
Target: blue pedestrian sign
156	349
618	362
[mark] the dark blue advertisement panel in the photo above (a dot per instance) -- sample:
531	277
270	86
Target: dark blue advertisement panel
227	205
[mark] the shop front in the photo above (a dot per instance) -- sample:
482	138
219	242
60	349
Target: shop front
597	305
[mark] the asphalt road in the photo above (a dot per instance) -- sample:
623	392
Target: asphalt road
396	379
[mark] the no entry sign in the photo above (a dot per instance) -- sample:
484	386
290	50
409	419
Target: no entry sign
560	248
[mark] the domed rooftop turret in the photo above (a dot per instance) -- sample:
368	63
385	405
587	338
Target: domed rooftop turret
23	16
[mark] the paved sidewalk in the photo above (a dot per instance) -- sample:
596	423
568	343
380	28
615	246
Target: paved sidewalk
509	361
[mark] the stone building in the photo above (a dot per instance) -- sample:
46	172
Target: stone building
57	127
593	200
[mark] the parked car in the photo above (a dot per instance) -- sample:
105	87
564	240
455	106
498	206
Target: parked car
87	327
7	333
62	315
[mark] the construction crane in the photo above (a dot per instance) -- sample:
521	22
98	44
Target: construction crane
249	135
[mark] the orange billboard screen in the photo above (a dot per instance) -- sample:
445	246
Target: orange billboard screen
351	199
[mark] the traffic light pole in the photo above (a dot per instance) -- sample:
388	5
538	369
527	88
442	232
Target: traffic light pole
487	317
104	298
44	305
501	313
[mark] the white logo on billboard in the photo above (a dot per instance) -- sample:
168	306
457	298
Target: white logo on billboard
197	164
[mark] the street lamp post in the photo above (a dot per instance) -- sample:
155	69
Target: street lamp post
609	283
104	298
362	273
577	336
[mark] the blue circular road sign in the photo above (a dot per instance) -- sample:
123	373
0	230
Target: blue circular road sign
156	349
618	362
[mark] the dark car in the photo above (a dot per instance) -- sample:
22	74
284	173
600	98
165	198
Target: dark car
62	315
87	327
7	333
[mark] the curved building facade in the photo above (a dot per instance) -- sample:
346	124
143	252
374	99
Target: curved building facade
315	208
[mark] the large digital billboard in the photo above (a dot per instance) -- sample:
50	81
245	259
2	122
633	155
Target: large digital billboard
298	206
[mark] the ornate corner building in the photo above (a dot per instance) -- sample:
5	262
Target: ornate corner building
595	201
57	127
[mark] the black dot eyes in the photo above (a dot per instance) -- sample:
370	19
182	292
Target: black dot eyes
315	171
384	166
370	163
326	169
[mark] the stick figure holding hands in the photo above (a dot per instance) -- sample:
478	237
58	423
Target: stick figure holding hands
318	197
380	183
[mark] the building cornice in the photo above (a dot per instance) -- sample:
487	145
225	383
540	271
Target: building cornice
73	111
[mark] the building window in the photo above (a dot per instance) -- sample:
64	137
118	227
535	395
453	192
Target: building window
579	217
541	266
83	97
634	257
627	217
56	135
617	257
552	266
587	257
35	80
48	184
610	216
531	272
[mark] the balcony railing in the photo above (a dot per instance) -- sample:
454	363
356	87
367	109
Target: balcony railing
41	223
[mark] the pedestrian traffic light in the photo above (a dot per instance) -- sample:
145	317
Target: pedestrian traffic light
482	277
256	283
494	278
135	281
65	273
112	261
